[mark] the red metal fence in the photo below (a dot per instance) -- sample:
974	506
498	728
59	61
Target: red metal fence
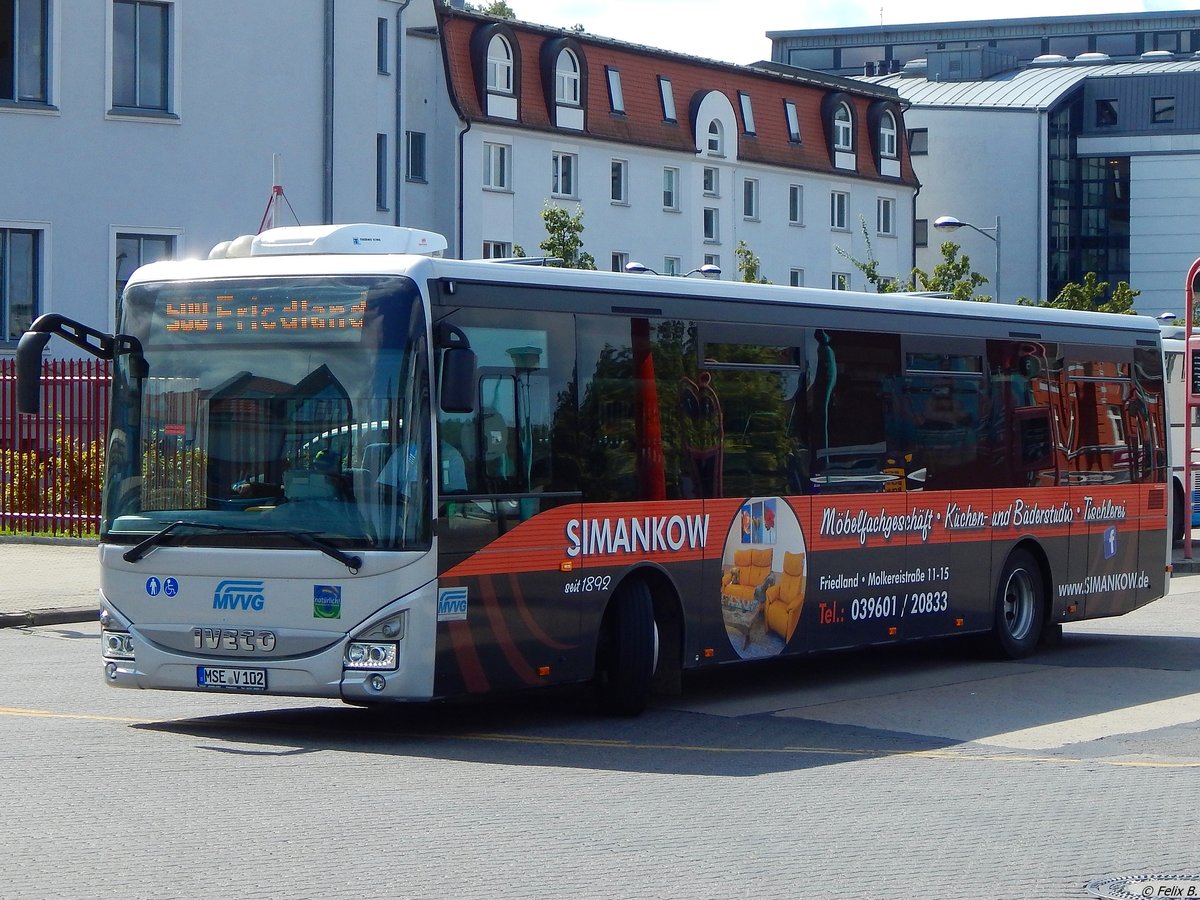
52	464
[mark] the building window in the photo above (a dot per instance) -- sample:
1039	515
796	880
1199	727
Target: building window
885	215
672	265
381	171
414	167
1162	110
712	181
712	259
495	167
566	79
619	261
499	66
921	233
497	250
839	201
24	50
843	128
716	138
20	264
796	278
562	174
747	113
141	55
887	135
750	198
620	181
381	45
134	250
1107	112
795	204
918	141
667	95
616	98
712	224
793	121
841	281
671	189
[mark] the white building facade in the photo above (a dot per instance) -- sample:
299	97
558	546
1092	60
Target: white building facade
132	130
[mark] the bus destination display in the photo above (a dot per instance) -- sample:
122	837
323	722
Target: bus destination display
254	315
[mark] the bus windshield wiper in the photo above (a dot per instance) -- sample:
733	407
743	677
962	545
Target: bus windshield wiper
352	562
133	554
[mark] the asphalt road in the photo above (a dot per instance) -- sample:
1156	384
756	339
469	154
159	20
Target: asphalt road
920	772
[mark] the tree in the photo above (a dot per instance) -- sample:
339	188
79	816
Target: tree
953	276
497	8
1089	296
563	239
749	264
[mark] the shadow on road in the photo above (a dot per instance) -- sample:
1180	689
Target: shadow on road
723	724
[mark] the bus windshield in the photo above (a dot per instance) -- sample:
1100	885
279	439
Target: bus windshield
273	409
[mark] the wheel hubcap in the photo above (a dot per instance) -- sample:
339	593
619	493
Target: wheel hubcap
1018	604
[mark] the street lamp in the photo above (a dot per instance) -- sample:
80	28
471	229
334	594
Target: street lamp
638	268
950	223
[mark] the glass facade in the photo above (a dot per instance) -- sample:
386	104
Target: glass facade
1088	201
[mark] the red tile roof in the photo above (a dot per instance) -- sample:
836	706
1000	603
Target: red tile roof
643	125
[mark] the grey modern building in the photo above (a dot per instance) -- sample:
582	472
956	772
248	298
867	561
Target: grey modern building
879	49
1067	164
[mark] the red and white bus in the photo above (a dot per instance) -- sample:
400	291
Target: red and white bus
341	466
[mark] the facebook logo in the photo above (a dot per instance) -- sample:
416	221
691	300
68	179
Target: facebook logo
1110	541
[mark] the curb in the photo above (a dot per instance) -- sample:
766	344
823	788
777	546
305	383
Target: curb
52	616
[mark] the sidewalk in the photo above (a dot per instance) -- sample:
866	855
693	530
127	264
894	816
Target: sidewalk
48	582
56	582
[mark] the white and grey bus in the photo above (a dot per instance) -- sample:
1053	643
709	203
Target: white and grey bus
341	466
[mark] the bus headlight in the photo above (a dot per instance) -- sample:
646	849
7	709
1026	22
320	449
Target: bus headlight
371	655
116	644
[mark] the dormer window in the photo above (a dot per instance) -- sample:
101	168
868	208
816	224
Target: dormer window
843	128
716	138
499	66
887	135
566	79
564	82
496	64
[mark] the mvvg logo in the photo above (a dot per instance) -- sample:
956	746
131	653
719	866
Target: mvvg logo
452	604
232	594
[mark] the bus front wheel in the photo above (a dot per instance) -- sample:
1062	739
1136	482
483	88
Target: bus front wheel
1020	607
628	650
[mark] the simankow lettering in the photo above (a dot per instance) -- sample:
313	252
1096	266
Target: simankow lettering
650	534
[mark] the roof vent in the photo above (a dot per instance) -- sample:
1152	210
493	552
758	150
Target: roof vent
1153	55
916	68
1048	59
1092	58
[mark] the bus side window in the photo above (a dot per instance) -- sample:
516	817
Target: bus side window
852	403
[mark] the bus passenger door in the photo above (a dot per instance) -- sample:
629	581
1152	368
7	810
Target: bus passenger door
505	501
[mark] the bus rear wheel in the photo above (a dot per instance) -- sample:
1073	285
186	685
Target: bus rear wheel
1020	607
628	650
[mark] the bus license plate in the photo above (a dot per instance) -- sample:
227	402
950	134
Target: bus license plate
231	679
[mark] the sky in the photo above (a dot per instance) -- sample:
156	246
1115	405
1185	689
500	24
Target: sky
735	30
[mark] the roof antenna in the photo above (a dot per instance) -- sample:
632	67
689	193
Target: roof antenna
270	217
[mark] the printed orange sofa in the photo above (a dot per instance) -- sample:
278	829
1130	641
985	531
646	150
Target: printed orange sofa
785	598
750	569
